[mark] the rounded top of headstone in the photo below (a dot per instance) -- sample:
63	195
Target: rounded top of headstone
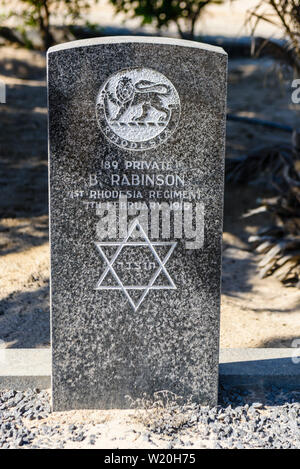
136	40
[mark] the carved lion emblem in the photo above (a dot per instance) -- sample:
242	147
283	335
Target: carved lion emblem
138	109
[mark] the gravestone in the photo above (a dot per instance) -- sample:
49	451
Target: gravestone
136	145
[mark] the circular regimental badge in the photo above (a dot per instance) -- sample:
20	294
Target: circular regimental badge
138	108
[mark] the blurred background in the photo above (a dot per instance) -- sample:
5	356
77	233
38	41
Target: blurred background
261	242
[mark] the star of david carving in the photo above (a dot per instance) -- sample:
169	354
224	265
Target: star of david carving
160	260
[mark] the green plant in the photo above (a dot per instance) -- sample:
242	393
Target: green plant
161	13
39	13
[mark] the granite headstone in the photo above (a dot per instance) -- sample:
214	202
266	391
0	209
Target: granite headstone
136	156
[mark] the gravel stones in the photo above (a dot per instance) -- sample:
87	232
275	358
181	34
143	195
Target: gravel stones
273	422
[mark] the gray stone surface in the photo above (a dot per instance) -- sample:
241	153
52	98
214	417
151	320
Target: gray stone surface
250	368
135	289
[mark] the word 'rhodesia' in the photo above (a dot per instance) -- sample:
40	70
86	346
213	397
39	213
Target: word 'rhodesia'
146	180
187	220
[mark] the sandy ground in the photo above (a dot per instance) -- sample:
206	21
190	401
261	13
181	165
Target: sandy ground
114	429
254	313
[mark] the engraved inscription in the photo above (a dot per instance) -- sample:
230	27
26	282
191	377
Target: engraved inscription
138	108
154	276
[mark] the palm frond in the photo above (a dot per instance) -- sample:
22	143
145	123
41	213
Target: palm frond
279	256
268	161
277	245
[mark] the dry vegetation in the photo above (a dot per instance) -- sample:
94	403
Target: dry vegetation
279	164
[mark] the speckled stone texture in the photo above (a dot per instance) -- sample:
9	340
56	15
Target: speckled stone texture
141	317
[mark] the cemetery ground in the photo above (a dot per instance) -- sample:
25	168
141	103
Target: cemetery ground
254	312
